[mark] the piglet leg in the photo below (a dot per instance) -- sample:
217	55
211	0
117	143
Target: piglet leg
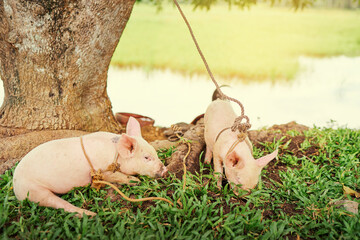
47	198
120	177
208	155
218	170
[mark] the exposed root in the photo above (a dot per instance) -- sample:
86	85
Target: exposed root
195	135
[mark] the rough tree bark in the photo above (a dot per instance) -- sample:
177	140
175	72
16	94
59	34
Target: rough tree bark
54	57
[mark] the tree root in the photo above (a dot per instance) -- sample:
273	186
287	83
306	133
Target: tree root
195	135
163	144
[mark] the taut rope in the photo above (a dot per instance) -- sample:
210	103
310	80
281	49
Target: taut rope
238	125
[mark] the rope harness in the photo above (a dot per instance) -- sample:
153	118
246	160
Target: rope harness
240	137
238	124
97	178
98	175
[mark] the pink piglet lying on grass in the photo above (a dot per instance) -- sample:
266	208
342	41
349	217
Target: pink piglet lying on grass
239	164
58	166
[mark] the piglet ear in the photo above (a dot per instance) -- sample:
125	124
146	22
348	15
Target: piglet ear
133	127
126	146
263	161
232	160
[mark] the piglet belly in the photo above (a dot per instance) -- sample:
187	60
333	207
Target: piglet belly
58	171
63	180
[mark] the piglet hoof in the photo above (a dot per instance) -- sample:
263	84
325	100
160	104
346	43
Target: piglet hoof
208	156
135	181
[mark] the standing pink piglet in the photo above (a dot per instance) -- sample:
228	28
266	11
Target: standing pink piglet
239	164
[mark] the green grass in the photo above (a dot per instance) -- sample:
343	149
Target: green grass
261	43
308	185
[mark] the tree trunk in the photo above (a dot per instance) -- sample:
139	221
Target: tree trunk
54	57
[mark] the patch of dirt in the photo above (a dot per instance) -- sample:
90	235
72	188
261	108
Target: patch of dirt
290	209
287	208
151	133
277	132
273	172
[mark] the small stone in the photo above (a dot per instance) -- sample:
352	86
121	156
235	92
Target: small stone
350	206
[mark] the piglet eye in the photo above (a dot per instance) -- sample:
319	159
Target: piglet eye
147	158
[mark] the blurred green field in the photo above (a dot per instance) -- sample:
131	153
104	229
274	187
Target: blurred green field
260	43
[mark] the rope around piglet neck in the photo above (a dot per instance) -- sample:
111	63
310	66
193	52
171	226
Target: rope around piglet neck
97	178
238	124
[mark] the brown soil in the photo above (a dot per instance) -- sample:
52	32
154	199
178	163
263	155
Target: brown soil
151	133
277	132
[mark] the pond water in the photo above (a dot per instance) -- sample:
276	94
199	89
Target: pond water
325	90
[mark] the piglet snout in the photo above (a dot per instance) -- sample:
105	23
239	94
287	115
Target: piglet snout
163	171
